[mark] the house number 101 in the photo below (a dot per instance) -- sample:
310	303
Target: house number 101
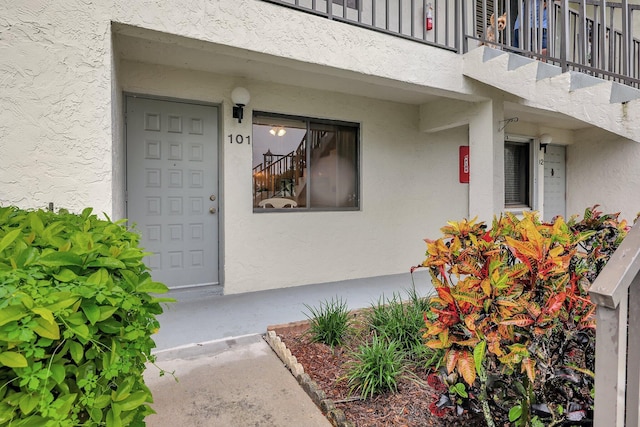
239	139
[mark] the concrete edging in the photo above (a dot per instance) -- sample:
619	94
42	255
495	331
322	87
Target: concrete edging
334	415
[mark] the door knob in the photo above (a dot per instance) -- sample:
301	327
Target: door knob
212	210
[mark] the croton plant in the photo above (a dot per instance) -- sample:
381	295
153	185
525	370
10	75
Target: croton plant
512	315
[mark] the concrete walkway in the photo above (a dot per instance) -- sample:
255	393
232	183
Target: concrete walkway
227	374
235	382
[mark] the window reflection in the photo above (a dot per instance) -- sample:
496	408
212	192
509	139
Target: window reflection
303	163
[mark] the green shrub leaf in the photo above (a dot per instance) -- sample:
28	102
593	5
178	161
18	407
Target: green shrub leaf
123	391
133	401
57	373
99	278
76	350
107	262
81	330
65	275
28	402
9	238
60	259
44	313
64	403
13	359
106	311
62	301
47	329
112	419
6	413
152	287
92	312
36	223
11	313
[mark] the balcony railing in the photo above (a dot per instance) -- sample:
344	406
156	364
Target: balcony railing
591	36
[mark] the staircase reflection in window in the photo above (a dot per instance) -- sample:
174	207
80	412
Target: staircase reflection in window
313	162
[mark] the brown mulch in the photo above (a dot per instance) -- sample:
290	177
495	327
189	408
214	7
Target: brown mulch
408	407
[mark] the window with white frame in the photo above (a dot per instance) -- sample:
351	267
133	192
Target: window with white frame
303	163
518	178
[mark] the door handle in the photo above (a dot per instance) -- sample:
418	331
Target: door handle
212	210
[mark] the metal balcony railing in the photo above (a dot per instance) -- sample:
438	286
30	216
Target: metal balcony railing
590	36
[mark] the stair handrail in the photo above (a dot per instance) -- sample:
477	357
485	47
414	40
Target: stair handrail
292	163
616	292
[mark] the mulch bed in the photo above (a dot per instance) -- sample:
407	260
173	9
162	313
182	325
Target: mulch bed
409	406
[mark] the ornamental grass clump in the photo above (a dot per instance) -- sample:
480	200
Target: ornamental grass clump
402	321
376	367
512	314
76	318
329	322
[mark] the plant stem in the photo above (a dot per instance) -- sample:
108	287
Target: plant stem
484	397
486	411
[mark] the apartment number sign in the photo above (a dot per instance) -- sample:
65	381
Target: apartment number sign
239	139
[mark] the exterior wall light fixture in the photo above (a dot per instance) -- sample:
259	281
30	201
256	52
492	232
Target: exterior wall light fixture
545	139
240	97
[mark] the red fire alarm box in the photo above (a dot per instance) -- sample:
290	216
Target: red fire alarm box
464	164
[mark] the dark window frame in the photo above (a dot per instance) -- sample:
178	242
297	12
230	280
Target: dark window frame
310	121
523	179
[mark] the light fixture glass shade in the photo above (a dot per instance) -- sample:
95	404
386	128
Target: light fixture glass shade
277	131
240	96
545	139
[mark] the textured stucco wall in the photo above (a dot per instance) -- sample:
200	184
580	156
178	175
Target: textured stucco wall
55	98
400	205
604	171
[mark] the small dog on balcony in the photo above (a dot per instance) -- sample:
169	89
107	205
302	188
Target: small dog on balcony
493	32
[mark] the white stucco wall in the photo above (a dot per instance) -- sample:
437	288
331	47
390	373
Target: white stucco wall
409	186
55	93
604	171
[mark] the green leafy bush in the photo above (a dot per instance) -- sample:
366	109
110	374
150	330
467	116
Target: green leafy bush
76	319
329	322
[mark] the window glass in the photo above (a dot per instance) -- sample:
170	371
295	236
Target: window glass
516	174
353	4
303	163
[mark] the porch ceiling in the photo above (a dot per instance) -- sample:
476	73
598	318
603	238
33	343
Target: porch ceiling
224	60
142	45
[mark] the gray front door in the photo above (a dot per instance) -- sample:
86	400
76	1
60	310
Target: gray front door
172	187
554	182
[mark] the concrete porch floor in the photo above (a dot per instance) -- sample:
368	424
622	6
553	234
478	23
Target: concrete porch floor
201	316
